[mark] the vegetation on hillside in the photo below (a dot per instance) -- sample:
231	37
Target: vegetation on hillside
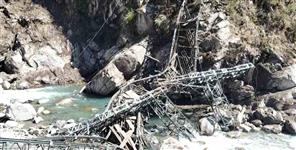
266	25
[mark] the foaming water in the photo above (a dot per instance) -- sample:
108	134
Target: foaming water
247	141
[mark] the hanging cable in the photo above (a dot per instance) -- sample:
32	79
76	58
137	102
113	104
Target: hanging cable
99	30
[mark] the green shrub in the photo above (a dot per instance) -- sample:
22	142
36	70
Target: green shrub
162	22
129	16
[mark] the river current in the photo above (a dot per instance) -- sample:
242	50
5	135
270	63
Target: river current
84	107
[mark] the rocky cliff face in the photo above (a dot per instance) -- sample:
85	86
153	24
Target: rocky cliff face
33	50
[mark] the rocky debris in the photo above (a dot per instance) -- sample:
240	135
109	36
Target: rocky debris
121	68
21	112
289	127
12	133
276	129
267	80
268	116
35	131
207	126
60	125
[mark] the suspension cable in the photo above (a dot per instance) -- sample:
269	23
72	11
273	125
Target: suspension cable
99	30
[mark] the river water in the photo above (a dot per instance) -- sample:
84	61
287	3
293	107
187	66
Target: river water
84	107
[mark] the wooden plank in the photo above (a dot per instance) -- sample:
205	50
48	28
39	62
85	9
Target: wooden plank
127	137
115	133
130	141
130	124
139	131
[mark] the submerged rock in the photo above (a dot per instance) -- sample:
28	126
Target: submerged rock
46	112
64	102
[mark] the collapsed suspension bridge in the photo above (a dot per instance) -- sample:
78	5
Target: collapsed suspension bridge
121	125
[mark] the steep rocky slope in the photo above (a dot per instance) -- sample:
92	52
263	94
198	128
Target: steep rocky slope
33	50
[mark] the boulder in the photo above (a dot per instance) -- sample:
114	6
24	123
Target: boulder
11	124
276	129
207	126
13	63
277	104
121	68
238	93
257	122
268	116
6	85
21	112
273	117
106	81
290	127
280	80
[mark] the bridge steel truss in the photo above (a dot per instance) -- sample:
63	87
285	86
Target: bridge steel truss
124	116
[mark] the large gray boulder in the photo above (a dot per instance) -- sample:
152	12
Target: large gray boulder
120	69
280	80
21	112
